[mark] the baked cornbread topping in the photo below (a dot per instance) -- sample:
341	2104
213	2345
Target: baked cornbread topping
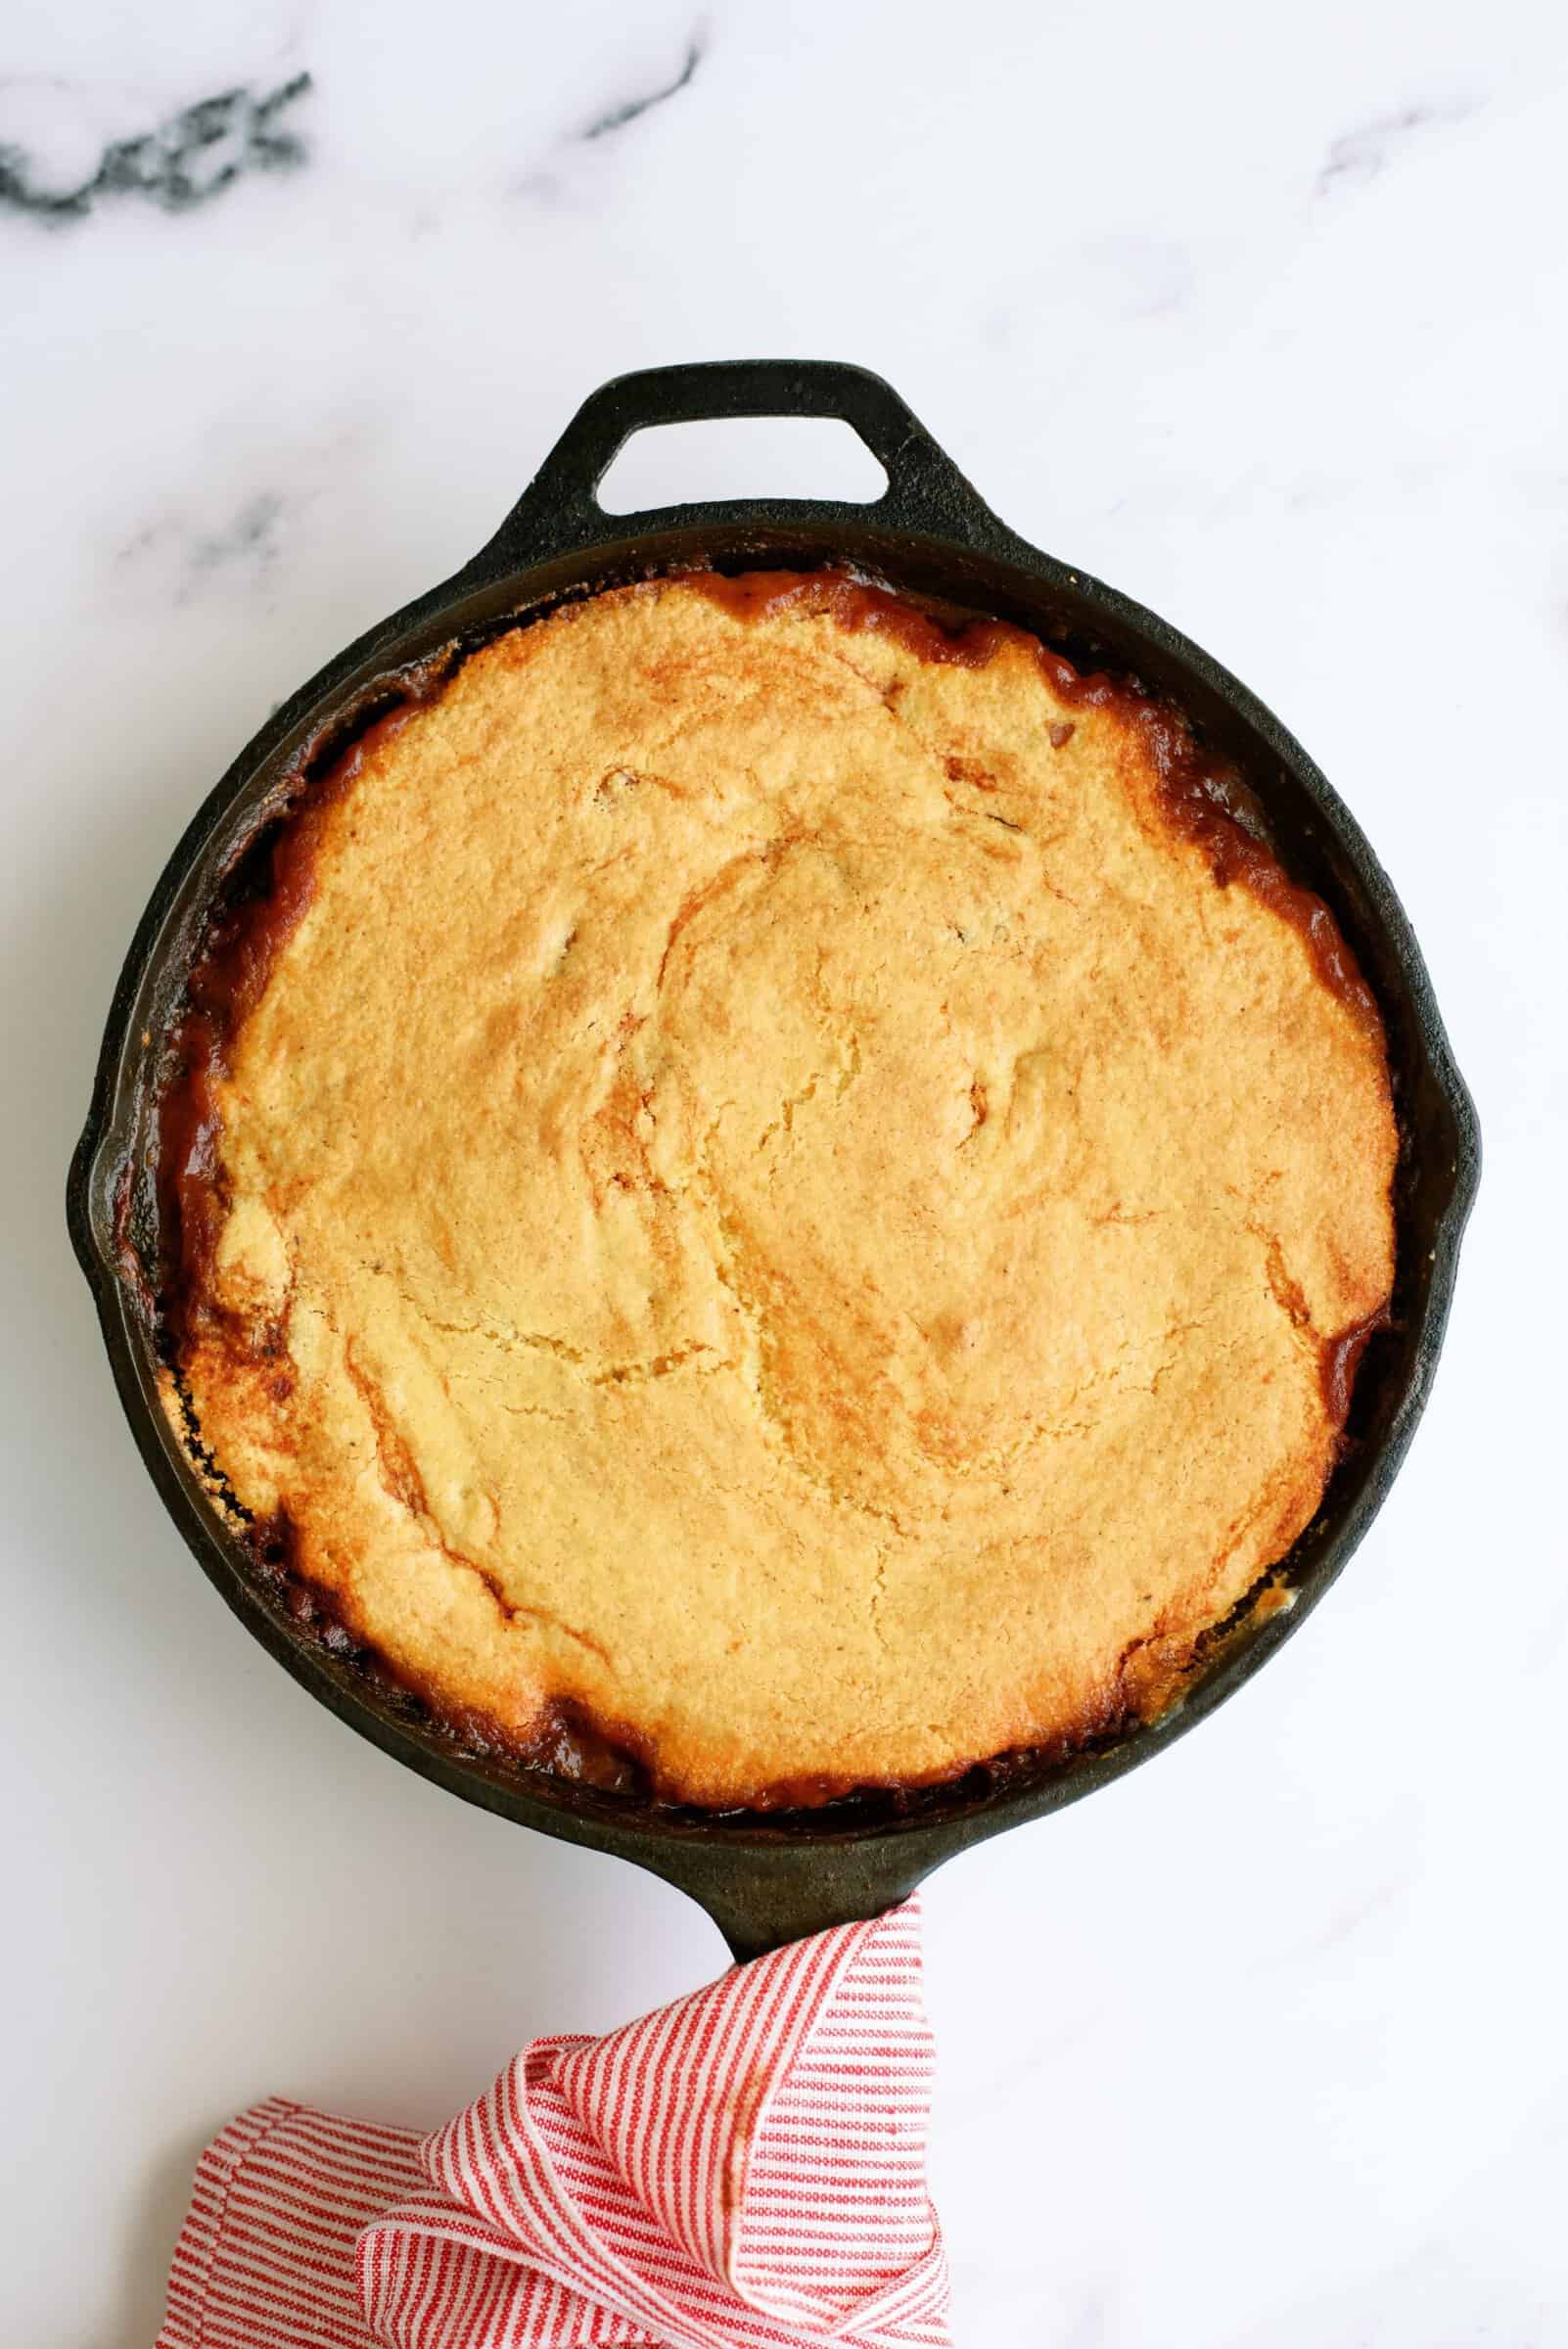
779	1182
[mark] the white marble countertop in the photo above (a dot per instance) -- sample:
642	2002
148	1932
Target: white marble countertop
1261	314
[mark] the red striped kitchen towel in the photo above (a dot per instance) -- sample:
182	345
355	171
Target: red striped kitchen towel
742	2170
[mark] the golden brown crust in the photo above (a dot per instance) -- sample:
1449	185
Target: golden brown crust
779	1193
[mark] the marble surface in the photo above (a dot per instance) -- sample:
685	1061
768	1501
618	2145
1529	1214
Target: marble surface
1260	313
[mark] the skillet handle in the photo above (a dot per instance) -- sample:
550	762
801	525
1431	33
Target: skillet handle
559	510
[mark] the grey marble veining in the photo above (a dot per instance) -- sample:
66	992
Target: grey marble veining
629	110
186	160
1362	152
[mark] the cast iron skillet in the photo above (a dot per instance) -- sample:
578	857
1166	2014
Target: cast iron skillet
768	1879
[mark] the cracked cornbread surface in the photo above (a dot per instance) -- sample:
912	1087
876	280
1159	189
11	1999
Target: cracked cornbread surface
771	1199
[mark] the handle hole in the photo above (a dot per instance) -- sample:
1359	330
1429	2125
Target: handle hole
742	456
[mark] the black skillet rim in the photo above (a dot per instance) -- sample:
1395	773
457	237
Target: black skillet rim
769	1877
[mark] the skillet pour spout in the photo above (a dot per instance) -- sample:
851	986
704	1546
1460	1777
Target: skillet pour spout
768	1879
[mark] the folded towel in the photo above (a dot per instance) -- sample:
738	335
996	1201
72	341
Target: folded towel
742	2170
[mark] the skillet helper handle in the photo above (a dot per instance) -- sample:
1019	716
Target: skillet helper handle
559	511
766	1895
